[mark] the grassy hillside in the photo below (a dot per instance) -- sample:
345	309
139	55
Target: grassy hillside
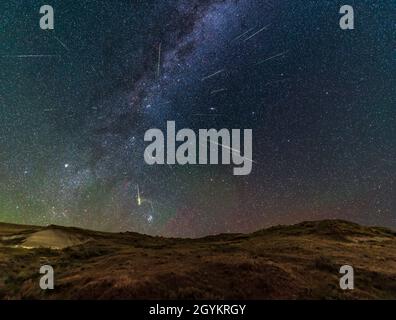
284	262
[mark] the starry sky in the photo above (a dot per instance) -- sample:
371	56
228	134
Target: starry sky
76	101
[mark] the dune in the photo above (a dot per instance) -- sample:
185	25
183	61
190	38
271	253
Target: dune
53	239
284	262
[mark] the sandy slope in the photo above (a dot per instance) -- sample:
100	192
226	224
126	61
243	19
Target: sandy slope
286	262
54	239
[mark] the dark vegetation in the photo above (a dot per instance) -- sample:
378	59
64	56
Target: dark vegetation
284	262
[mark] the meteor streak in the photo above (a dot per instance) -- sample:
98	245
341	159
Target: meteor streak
231	149
256	33
62	43
273	57
218	91
159	60
242	35
30	56
212	75
208	115
139	200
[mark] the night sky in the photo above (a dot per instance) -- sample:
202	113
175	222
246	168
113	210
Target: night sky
76	101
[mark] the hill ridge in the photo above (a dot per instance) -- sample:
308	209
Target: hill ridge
300	261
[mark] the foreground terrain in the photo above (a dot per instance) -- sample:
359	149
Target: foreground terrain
285	262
